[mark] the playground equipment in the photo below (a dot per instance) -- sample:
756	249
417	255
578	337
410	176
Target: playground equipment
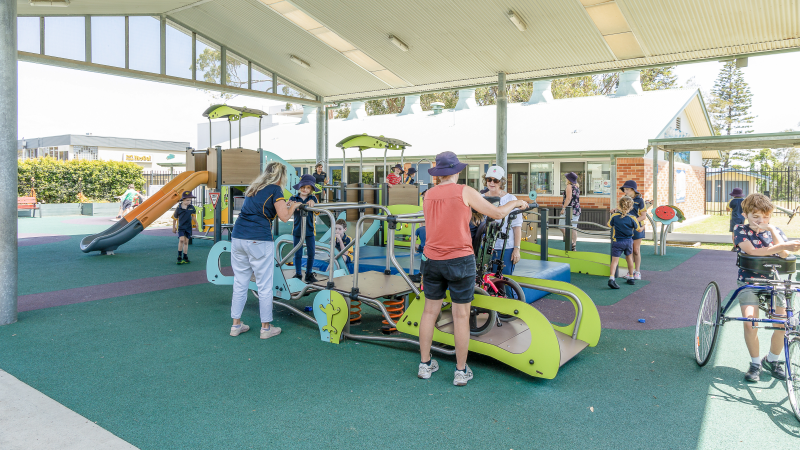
711	316
528	342
790	212
666	215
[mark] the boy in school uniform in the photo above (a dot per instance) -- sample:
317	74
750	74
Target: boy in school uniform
183	221
305	196
624	226
760	238
735	207
343	240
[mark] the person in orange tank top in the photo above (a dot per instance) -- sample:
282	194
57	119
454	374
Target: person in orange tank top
450	264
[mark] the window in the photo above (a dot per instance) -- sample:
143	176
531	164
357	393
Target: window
678	124
518	179
682	157
579	168
84	152
598	178
474	177
542	178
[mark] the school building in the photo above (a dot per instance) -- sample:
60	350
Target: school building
547	138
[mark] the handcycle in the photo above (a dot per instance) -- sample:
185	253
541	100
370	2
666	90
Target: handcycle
711	316
489	282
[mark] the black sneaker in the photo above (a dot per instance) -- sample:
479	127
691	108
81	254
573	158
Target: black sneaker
180	261
298	276
612	284
310	278
416	278
733	249
776	368
754	374
631	281
186	260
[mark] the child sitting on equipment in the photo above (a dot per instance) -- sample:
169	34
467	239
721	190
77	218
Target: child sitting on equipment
622	239
343	240
760	238
735	207
305	196
182	223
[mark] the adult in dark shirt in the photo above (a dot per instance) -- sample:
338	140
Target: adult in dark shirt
252	248
320	178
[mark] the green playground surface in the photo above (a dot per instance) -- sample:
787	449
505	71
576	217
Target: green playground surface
159	370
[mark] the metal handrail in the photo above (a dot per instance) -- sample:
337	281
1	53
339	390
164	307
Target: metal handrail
578	314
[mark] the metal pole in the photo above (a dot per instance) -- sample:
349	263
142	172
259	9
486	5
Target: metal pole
41	37
321	134
163	45
223	68
671	195
502	122
88	39
240	133
654	152
543	230
194	59
614	182
8	156
218	207
128	44
567	231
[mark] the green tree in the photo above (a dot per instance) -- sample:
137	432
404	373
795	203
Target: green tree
729	106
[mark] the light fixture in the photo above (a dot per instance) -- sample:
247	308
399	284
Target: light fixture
50	3
517	21
299	61
400	44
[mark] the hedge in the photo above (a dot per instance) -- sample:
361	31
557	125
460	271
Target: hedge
61	181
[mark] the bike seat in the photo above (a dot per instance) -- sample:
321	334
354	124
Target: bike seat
763	264
493	200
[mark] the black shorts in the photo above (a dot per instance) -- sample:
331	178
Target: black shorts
456	275
127	204
184	233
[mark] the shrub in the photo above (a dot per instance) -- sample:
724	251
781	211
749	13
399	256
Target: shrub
61	181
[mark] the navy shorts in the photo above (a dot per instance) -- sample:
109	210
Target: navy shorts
127	204
622	246
184	233
638	234
456	275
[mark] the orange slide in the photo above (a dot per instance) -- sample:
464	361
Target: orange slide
143	215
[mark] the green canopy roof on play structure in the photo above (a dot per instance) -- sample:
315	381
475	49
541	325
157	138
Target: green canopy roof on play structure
232	113
365	141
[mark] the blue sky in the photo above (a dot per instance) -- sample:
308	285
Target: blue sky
57	101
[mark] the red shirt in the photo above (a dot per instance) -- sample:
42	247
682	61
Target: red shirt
447	223
393	179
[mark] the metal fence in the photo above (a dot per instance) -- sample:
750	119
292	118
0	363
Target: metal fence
782	186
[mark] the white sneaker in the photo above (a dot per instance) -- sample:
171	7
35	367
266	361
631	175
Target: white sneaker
461	378
272	331
239	329
625	276
637	275
425	370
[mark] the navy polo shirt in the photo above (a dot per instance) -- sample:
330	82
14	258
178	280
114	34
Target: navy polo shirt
310	222
623	226
184	217
255	219
736	210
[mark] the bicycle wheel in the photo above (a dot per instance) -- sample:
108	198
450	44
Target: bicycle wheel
705	334
793	375
477	326
508	288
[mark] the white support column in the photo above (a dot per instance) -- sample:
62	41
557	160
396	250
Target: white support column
8	161
655	176
614	185
671	194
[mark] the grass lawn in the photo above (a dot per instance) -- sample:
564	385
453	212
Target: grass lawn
721	224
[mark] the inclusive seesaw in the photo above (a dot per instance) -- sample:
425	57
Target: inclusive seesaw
525	340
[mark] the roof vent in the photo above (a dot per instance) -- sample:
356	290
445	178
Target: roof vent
466	99
541	92
308	112
629	83
412	106
357	111
437	107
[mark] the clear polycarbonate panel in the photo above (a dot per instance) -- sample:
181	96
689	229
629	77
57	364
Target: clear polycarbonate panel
207	57
179	51
65	37
262	80
145	43
28	34
108	41
237	70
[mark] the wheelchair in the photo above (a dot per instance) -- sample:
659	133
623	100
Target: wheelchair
711	315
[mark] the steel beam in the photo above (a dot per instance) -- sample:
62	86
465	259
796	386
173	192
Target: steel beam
502	122
8	161
321	125
147	76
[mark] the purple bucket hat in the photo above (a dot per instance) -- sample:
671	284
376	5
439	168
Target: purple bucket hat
447	163
737	192
305	180
572	177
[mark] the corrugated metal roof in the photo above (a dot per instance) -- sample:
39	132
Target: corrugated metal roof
466	43
585	124
104	141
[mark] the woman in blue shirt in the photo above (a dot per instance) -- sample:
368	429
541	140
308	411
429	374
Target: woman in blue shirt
252	248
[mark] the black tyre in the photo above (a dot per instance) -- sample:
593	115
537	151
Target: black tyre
705	334
508	288
793	375
481	321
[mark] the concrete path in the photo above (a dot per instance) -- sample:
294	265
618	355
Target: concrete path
31	420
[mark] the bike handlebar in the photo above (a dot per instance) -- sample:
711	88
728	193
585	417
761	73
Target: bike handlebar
771	282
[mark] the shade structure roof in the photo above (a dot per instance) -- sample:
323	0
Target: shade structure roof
349	55
576	127
731	142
